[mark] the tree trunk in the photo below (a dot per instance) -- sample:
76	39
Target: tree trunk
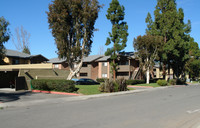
147	75
74	72
168	71
114	73
164	71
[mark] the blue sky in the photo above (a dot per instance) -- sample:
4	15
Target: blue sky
31	15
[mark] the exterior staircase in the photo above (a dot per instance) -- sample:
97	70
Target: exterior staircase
136	73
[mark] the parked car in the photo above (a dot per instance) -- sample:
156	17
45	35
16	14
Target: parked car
74	79
86	81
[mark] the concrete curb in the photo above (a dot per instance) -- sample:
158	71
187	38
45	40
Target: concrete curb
139	86
59	93
76	98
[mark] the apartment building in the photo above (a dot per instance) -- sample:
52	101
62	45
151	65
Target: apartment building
98	66
59	63
16	64
128	67
90	67
13	57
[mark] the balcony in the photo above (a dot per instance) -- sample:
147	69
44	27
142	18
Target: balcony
124	68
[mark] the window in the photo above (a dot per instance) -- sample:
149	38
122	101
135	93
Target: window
104	75
105	64
84	65
83	74
56	65
15	61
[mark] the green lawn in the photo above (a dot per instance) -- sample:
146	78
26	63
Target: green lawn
151	84
90	89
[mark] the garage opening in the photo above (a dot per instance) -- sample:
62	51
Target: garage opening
8	78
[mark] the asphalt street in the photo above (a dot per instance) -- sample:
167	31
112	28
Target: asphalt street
173	107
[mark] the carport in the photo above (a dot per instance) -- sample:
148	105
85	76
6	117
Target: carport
10	75
7	78
10	79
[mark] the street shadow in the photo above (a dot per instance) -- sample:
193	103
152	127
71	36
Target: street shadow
12	96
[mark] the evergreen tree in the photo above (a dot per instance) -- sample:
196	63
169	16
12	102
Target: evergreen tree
169	23
118	36
72	23
193	65
4	37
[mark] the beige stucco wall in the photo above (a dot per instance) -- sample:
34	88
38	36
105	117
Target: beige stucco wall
100	70
26	66
108	69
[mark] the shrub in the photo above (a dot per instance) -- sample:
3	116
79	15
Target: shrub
54	85
113	86
121	85
100	80
162	82
172	81
133	82
107	86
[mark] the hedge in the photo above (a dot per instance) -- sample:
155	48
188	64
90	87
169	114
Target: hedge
133	82
54	85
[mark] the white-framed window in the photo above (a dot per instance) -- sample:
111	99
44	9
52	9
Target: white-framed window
105	64
83	74
104	75
56	65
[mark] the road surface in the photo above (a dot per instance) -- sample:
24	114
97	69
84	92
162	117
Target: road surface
174	107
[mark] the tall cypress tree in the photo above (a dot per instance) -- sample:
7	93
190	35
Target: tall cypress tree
169	23
115	14
72	23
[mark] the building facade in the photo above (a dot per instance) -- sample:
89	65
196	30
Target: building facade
98	66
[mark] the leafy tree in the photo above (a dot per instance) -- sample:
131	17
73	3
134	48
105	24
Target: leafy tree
72	23
193	65
169	23
115	14
4	37
22	40
146	48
